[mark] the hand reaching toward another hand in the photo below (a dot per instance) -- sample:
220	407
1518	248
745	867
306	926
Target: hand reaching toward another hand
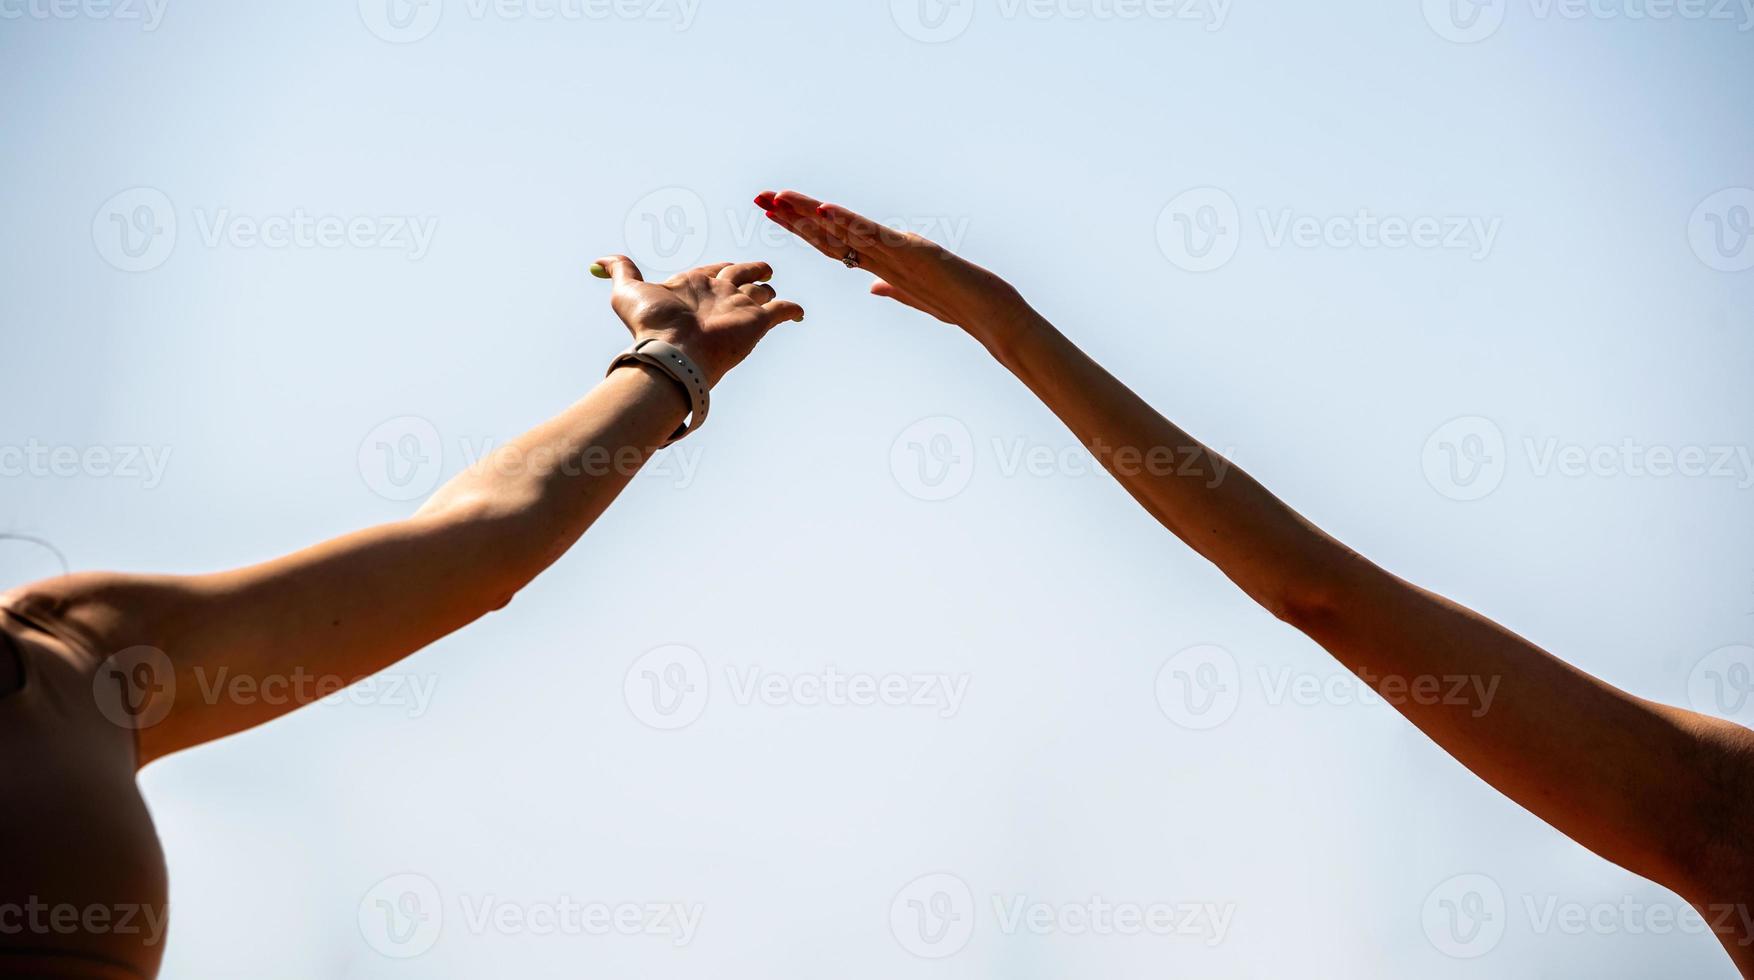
910	269
715	314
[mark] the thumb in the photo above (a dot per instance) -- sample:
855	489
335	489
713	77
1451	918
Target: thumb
617	267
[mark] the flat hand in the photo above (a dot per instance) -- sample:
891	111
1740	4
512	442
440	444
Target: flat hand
910	269
715	314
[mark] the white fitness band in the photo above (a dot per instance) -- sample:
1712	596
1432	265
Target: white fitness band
675	364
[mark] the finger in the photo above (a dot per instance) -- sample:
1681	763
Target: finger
712	270
797	202
871	235
889	290
781	311
621	269
744	273
760	292
813	232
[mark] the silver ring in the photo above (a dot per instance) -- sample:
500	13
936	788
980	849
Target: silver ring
851	259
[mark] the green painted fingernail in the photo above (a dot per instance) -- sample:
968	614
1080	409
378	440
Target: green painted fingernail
598	270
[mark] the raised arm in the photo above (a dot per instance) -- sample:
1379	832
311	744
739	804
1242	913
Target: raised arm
354	605
1666	793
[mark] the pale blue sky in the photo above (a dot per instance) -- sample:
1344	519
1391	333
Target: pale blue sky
469	168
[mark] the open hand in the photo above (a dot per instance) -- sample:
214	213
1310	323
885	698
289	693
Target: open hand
910	269
715	314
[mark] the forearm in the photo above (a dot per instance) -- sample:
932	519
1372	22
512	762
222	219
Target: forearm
1265	547
1639	783
539	492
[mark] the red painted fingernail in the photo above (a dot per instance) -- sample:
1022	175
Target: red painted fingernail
764	201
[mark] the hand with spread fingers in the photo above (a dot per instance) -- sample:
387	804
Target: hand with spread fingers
715	314
910	269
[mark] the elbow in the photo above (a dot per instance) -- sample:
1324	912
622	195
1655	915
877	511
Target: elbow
1708	858
1312	605
1323	591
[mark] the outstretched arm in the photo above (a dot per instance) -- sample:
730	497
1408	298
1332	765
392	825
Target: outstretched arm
352	606
1666	793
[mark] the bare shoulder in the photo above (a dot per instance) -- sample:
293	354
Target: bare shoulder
94	612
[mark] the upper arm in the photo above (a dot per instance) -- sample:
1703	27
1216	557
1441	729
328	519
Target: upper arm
302	625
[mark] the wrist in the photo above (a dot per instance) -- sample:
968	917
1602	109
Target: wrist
1005	333
691	348
653	385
